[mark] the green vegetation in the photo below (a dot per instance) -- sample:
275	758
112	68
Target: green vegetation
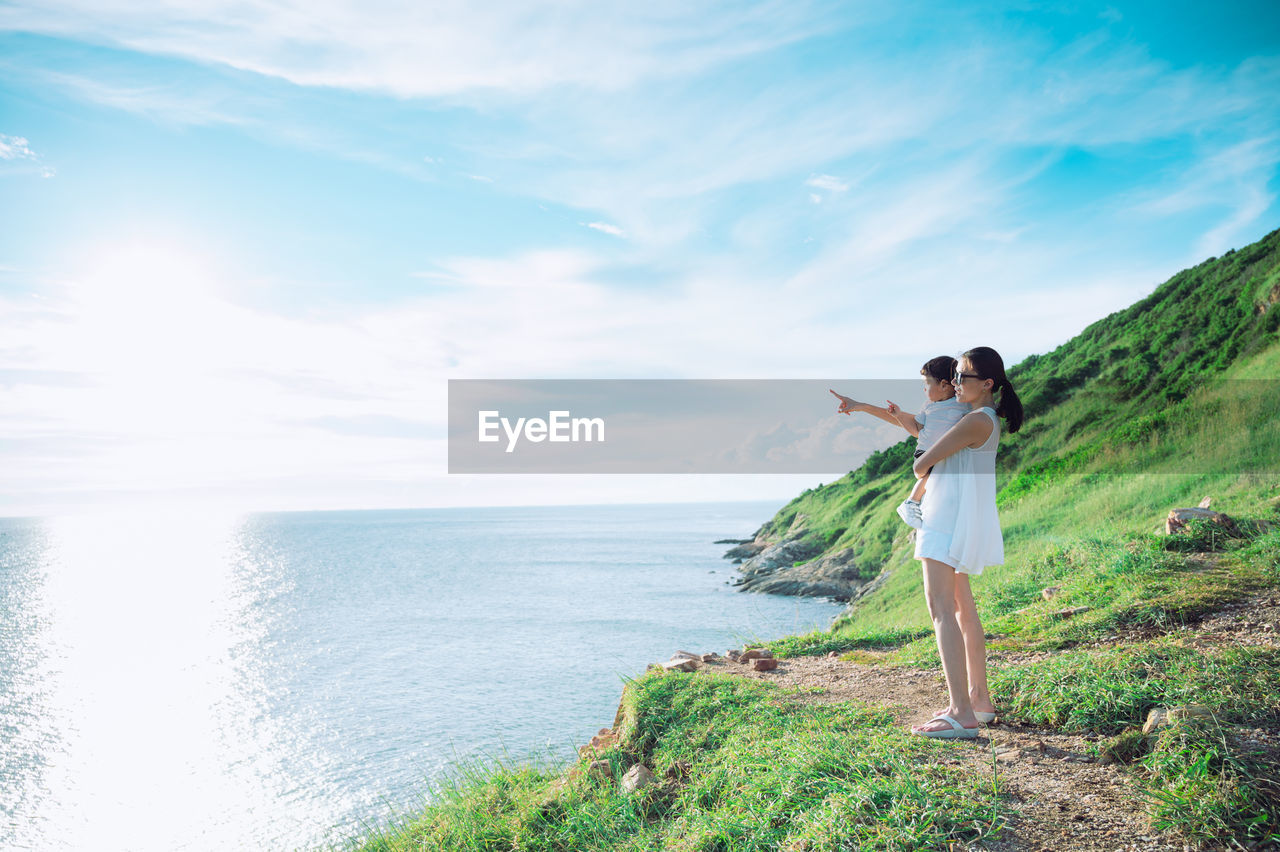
743	768
1151	408
1207	781
1105	691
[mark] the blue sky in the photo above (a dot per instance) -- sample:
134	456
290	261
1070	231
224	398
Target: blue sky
245	244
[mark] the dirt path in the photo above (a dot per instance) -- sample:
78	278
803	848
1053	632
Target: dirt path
1062	799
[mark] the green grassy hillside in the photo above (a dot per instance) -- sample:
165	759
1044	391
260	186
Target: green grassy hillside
1151	408
1167	385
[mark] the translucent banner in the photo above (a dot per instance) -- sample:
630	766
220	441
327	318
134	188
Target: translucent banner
669	426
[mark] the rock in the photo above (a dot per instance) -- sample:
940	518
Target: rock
1162	717
706	658
764	664
1050	592
1010	751
733	541
745	550
1178	518
606	739
755	654
679	664
1191	711
600	769
734	654
638	777
789	567
686	655
868	588
1157	718
1071	610
833	655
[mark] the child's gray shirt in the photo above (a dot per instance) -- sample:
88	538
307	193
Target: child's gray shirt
937	418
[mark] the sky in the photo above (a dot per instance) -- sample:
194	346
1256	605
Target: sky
245	244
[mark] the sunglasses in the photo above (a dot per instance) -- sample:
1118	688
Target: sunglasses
960	377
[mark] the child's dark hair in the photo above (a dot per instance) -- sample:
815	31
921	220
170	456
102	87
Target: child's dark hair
989	365
942	368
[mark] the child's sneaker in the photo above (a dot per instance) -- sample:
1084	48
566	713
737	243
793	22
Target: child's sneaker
909	511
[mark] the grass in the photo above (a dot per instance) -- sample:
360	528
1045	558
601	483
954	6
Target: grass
1106	690
1205	780
746	769
1130	585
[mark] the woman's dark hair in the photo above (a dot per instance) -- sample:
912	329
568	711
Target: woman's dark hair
989	365
942	368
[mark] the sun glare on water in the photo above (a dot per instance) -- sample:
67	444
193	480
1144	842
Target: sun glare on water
155	725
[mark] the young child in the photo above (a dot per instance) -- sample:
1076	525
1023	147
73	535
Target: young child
942	412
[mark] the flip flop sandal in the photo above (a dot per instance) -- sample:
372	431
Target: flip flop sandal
955	732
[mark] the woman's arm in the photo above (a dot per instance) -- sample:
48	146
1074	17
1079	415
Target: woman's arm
972	431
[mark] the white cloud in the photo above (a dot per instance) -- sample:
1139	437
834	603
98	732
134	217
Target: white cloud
828	183
19	158
605	227
433	49
15	148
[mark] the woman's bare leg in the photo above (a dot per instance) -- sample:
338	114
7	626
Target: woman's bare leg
940	594
975	644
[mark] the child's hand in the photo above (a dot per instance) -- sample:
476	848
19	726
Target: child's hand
893	408
847	406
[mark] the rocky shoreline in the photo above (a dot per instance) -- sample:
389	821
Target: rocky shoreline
796	565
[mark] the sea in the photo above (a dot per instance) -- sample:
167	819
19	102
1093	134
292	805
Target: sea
174	681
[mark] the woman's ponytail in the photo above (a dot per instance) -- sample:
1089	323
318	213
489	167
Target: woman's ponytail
1010	407
989	365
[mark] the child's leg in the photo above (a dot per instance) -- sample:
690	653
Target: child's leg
917	493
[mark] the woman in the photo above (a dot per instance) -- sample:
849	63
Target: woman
961	536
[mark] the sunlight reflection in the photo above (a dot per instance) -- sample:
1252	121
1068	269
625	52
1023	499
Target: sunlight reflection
141	615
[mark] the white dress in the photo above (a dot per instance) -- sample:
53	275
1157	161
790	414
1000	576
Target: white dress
961	527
